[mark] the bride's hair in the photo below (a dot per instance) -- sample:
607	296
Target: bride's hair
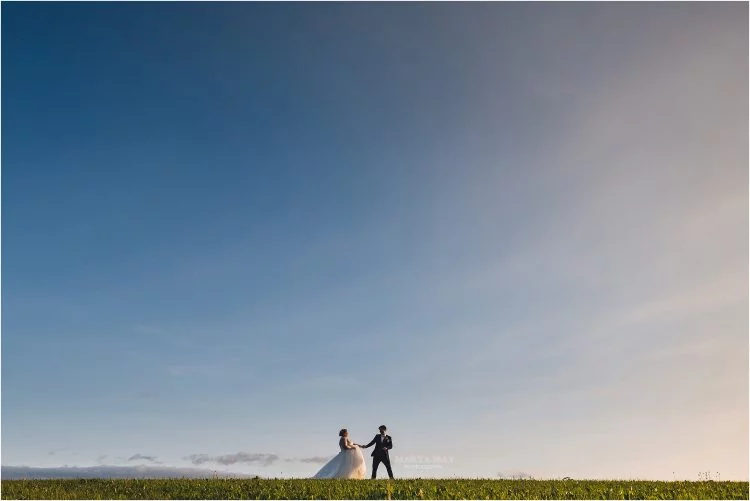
342	432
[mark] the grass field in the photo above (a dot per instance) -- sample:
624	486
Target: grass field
366	489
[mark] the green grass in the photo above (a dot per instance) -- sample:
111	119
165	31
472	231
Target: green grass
217	488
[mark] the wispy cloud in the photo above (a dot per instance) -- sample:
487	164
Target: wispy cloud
314	459
517	475
240	457
264	459
142	457
21	472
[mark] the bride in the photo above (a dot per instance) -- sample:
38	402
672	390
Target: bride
349	463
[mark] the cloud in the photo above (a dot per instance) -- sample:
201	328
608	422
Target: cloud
54	451
199	458
264	459
103	471
137	457
518	475
240	457
314	459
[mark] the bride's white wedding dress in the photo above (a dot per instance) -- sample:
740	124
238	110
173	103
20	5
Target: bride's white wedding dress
349	463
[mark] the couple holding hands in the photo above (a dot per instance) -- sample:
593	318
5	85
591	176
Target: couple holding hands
350	463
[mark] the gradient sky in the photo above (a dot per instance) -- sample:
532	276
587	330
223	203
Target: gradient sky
517	234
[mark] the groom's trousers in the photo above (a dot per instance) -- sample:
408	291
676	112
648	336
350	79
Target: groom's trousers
376	460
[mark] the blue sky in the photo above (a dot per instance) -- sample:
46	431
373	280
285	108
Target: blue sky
517	234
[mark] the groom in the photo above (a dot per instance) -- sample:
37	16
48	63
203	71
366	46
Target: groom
383	444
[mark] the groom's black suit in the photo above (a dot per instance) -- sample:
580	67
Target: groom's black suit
380	455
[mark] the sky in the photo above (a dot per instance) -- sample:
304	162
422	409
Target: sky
514	233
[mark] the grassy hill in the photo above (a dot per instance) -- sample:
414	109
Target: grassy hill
219	488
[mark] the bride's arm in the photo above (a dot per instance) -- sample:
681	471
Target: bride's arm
346	443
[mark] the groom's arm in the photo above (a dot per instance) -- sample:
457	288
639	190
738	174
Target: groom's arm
368	445
390	444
